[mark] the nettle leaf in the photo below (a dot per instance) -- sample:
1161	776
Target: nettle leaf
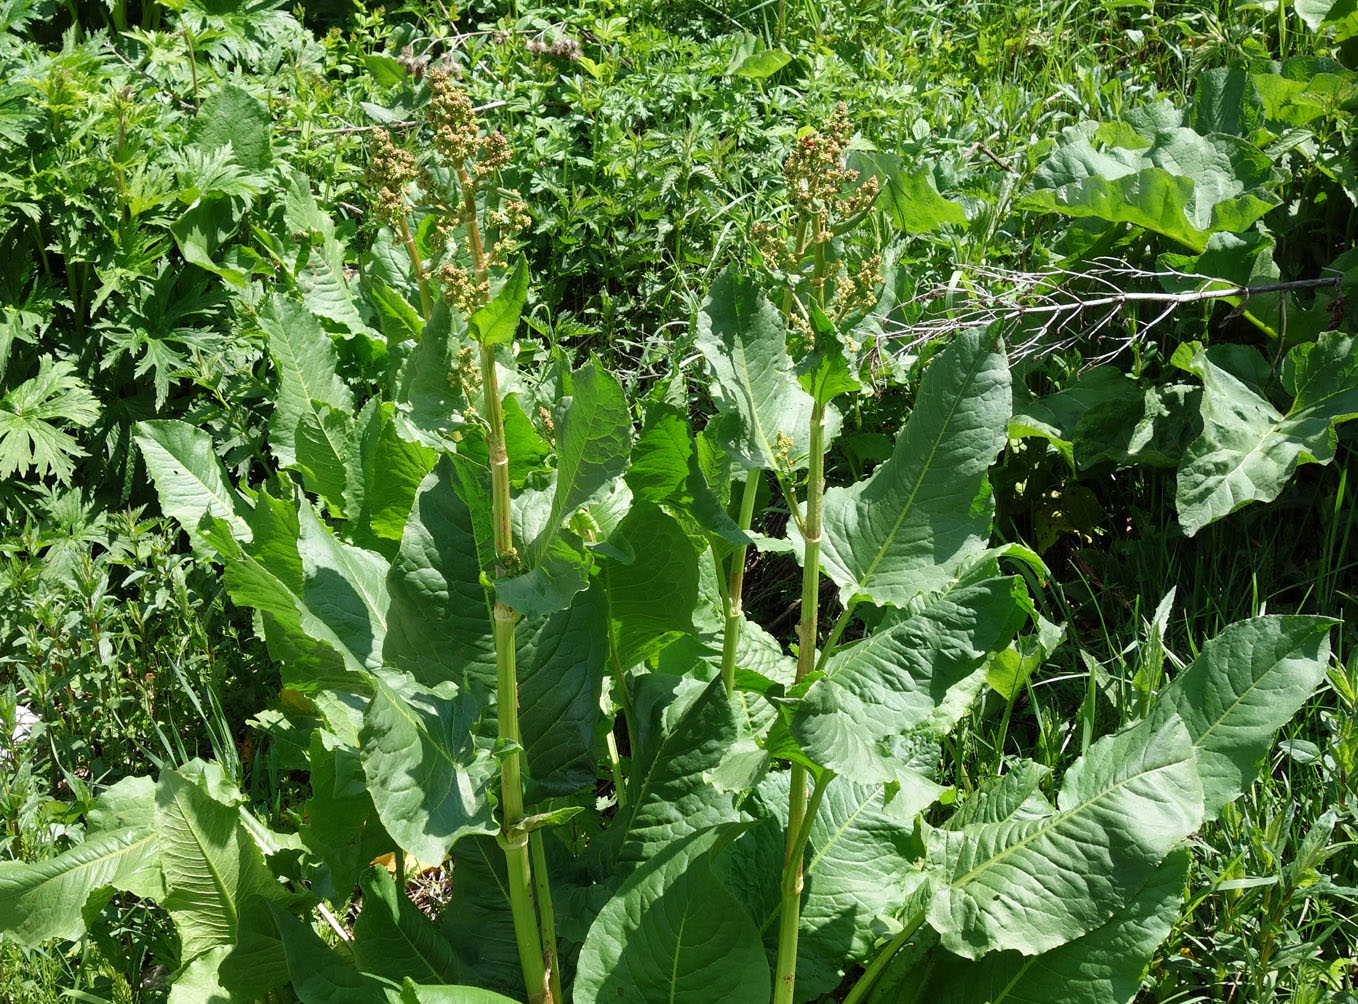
907	528
1164	177
394	940
211	862
48	900
1030	885
674	933
901	675
32	416
743	339
1100	967
651	598
430	783
304	359
439	622
497	321
684	730
908	196
233	116
1245	684
1248	449
189	478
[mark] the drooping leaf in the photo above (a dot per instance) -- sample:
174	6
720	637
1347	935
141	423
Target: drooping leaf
342	827
673	934
318	974
438	625
907	528
898	677
1245	684
743	338
344	588
412	994
304	360
651	598
322	443
211	862
383	473
1030	885
189	478
430	783
204	229
683	733
1248	449
394	940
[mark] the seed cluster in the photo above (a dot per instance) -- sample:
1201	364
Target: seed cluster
390	170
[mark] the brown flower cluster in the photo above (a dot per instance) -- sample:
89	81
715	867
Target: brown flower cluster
460	288
816	177
563	47
390	170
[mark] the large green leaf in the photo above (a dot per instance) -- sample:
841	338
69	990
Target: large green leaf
1245	684
189	478
477	921
901	675
342	827
1032	884
498	320
412	994
49	899
383	473
344	590
862	861
1249	449
908	196
593	442
673	934
304	361
318	974
684	729
907	528
438	625
561	660
743	338
651	598
429	781
1101	967
1166	178
324	439
394	940
211	862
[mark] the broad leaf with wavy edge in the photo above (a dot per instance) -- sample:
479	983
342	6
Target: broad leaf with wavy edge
1248	449
430	783
673	934
1032	884
1245	684
907	528
304	359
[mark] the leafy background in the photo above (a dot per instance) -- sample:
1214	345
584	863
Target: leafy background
184	207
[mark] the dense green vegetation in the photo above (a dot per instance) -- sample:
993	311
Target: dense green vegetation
678	502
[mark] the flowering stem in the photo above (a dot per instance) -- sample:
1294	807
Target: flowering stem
800	812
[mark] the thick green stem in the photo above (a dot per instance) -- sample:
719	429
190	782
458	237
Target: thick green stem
875	968
735	613
546	915
421	279
800	813
520	876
